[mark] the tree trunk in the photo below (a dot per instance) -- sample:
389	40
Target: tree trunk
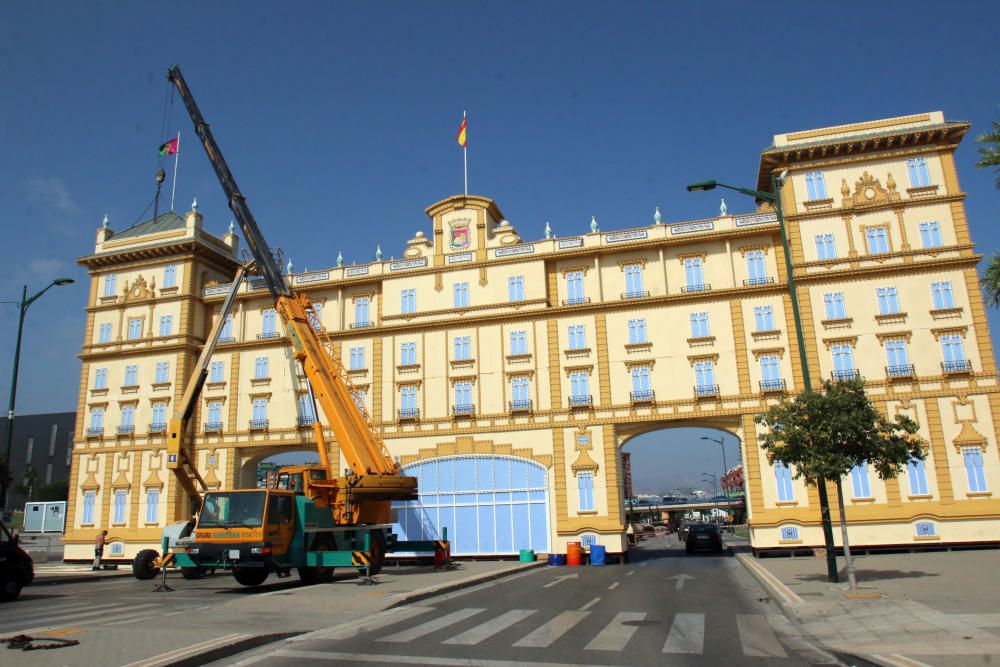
852	582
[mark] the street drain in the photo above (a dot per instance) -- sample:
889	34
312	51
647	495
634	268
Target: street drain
640	624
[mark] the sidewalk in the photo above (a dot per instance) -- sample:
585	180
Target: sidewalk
931	608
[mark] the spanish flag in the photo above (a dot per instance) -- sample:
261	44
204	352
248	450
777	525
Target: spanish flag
462	140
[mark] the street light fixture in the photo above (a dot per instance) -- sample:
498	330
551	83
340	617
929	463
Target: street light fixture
725	469
23	304
774	197
715	490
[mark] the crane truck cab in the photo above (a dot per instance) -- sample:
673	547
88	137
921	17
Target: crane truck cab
17	570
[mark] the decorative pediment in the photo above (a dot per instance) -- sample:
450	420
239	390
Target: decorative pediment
868	191
91	484
969	437
153	481
140	291
465	445
121	481
583	462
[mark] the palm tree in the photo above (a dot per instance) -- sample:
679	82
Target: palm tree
989	153
30	480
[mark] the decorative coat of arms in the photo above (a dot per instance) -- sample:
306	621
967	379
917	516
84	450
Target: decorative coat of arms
460	236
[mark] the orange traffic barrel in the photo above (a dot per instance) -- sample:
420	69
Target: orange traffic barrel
574	554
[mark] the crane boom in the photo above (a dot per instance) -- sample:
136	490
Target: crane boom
375	475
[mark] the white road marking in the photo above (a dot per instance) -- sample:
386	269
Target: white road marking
630	573
616	634
561	579
353	628
687	634
431	626
490	628
644	563
681	578
590	604
195	649
757	637
544	636
76	618
898	660
415	659
613	586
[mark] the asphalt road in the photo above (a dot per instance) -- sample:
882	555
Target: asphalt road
663	608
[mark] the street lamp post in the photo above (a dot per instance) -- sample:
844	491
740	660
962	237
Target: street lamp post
23	304
715	490
725	469
774	197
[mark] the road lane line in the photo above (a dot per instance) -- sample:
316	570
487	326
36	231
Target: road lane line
415	659
687	634
757	638
544	636
351	629
613	586
616	635
75	618
644	563
434	625
630	573
898	660
488	629
590	604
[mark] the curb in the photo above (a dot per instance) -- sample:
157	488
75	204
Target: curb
474	580
55	580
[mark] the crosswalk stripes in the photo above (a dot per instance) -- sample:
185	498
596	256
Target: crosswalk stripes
486	630
616	635
545	635
687	634
431	626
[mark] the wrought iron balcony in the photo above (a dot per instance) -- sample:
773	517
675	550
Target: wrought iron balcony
635	295
904	371
466	410
258	424
266	335
698	287
305	421
213	427
95	431
409	414
227	339
702	390
126	429
647	396
772	385
766	280
576	301
160	427
362	325
524	405
845	375
581	401
959	366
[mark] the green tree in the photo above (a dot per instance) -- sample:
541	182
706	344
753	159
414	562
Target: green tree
989	156
53	492
28	483
826	434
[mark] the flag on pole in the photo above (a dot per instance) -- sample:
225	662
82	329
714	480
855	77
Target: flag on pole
169	148
462	141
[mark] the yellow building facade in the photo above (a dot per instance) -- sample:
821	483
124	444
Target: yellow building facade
507	374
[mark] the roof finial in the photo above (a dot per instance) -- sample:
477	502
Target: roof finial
657	218
194	204
290	267
723	209
232	227
340	258
593	224
105	222
378	253
548	230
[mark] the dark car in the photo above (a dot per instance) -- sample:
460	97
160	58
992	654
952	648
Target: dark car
16	567
703	536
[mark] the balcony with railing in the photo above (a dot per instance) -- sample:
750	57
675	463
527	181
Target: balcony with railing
95	431
845	375
696	287
764	280
958	366
126	429
901	371
581	401
523	405
266	335
307	420
576	301
362	325
213	427
643	396
409	414
771	386
158	427
706	390
258	424
227	339
464	410
641	294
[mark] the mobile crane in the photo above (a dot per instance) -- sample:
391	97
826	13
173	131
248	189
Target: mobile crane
313	520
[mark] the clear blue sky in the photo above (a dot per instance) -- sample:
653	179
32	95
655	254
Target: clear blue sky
339	120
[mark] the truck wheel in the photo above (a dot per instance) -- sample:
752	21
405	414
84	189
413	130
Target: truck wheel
144	564
320	574
10	586
193	572
378	552
250	576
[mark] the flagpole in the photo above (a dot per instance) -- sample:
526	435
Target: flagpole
465	159
177	155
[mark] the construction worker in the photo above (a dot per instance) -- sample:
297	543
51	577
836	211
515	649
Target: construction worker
99	549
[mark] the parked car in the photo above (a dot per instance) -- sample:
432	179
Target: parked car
703	536
16	567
